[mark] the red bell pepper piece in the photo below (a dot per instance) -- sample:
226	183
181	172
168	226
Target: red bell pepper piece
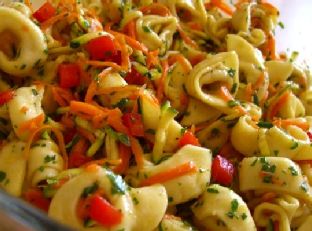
69	75
103	212
133	121
6	96
45	12
188	138
102	48
134	77
222	170
36	198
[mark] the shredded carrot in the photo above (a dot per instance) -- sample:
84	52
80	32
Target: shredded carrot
152	58
184	99
59	137
86	134
271	47
156	9
269	196
197	59
182	60
276	106
56	18
92	167
24	109
161	82
130	29
137	151
67	121
248	92
304	125
101	162
125	154
29	4
31	125
221	5
226	96
62	96
259	81
195	26
104	64
187	39
170	174
115	121
270	7
125	61
85	110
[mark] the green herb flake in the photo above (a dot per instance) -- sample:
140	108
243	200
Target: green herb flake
294	145
118	186
234	206
2	176
263	124
231	72
281	25
170	199
34	92
146	29
270	226
267	179
232	103
244	216
255	99
254	162
89	190
135	200
304	186
234	88
212	190
266	166
293	171
49	158
122	103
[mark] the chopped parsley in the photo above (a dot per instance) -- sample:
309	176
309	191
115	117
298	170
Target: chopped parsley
89	190
122	103
49	158
232	103
267	179
34	91
135	200
146	29
266	166
234	88
118	186
2	176
231	72
234	206
170	199
270	226
294	145
281	25
244	216
212	190
293	171
254	162
263	124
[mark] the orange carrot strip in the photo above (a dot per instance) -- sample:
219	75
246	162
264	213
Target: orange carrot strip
125	154
269	196
221	5
94	167
62	96
270	7
125	61
31	125
137	151
130	29
248	92
187	39
155	8
259	81
271	47
101	162
161	82
86	134
273	110
104	64
225	94
59	137
54	19
181	59
170	174
85	110
29	4
304	125
67	121
115	121
152	58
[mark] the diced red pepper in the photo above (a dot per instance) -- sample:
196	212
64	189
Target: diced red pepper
103	212
134	77
69	135
222	171
102	49
45	12
69	75
77	156
133	121
309	135
188	138
6	96
36	198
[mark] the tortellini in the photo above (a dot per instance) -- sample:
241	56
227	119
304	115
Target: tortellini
277	174
134	203
219	208
156	32
12	167
183	188
209	75
26	38
25	106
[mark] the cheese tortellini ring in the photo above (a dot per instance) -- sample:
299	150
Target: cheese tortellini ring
241	17
207	77
31	47
289	203
44	162
279	70
219	208
25	105
183	188
156	32
244	136
141	208
13	167
276	213
277	174
172	223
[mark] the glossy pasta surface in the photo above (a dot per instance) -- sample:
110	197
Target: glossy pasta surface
164	115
